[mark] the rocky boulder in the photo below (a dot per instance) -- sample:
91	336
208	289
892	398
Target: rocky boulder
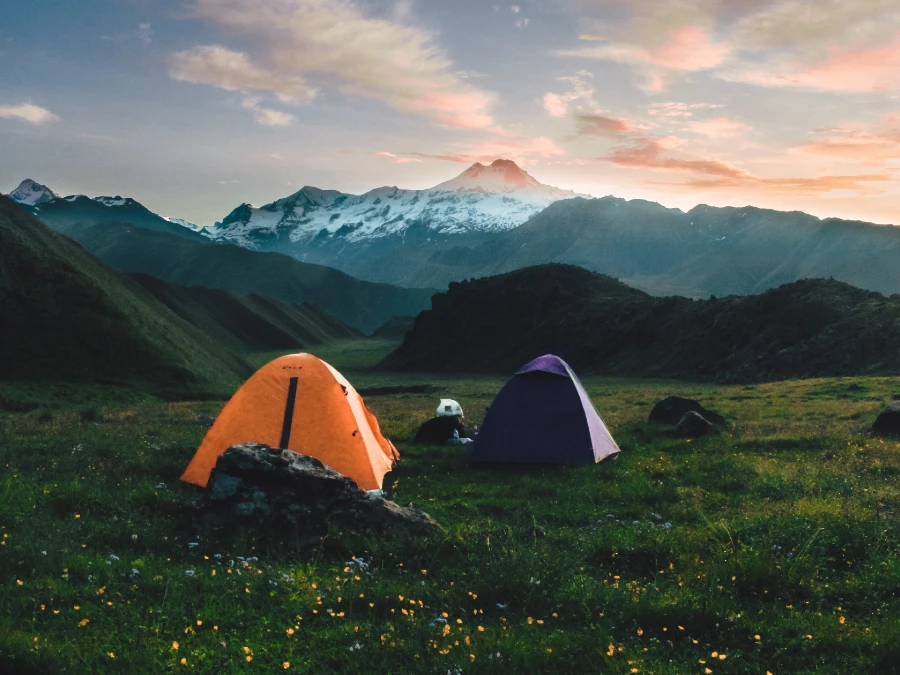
293	497
438	430
888	421
671	410
692	424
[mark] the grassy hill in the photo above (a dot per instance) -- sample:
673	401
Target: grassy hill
361	304
251	322
66	316
809	328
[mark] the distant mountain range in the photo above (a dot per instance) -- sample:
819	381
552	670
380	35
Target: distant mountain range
129	237
812	328
482	199
497	218
68	317
361	304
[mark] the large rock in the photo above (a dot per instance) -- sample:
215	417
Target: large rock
438	430
693	424
291	497
670	411
888	422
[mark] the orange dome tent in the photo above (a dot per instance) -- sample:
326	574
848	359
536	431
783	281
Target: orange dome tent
301	403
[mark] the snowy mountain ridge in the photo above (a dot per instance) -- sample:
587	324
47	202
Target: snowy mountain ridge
31	193
482	198
34	196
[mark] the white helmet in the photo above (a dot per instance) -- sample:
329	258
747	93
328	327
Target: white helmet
449	408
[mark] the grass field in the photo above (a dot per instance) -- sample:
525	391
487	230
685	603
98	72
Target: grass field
770	546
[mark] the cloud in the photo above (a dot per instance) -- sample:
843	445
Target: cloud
717	128
797	187
842	70
521	23
555	105
447	157
233	71
579	90
521	150
396	158
28	112
650	153
602	125
826	45
675	109
515	9
685	48
144	33
709	174
266	116
811	27
871	146
364	56
636	149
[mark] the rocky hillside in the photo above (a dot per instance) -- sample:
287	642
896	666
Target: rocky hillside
808	328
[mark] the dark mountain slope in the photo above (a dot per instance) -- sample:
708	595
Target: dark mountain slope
66	316
361	304
808	328
252	322
70	215
395	329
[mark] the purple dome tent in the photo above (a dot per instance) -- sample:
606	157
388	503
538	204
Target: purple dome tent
543	415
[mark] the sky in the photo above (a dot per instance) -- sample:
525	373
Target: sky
193	107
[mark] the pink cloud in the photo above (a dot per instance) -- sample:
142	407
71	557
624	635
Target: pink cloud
459	109
396	158
843	70
523	151
687	48
649	153
554	105
580	94
717	128
709	174
871	146
798	187
602	125
341	43
447	157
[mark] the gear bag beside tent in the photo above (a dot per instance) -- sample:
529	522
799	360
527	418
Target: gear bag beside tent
300	403
543	415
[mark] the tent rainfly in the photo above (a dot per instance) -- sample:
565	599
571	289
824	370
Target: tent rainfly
543	415
301	403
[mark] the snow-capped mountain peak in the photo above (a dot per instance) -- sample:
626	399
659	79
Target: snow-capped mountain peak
482	199
31	193
502	175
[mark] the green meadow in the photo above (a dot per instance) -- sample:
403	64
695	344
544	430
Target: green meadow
770	546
